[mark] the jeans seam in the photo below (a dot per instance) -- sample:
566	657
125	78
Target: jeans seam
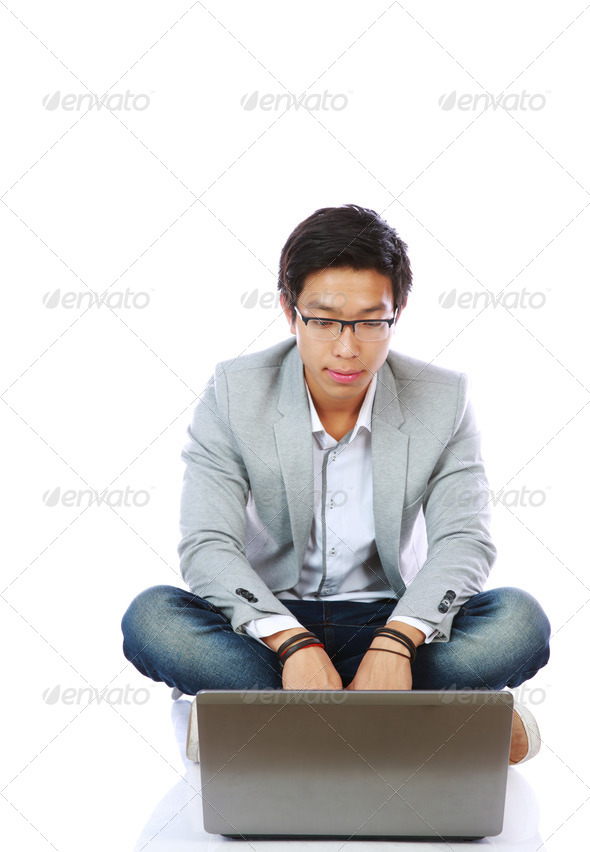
329	634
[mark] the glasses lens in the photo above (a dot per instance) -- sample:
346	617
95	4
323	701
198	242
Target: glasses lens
372	330
323	329
328	329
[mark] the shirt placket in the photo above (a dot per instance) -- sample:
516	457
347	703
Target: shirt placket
329	550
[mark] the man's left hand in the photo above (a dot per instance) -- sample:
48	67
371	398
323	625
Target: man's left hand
380	670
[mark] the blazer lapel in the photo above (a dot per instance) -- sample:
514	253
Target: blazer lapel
294	449
389	451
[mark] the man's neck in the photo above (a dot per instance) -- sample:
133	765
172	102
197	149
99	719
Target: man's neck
338	420
337	416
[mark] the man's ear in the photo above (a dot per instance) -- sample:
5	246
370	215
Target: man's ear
287	312
398	315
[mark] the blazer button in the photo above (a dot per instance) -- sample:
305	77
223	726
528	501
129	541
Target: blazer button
246	594
446	602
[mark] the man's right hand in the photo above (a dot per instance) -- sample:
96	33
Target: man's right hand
308	668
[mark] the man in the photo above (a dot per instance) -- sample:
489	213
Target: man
334	488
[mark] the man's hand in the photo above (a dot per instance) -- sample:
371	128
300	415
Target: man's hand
380	670
308	668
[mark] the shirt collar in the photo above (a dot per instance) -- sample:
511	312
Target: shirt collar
364	416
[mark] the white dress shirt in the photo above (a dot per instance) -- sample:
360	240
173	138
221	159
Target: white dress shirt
341	561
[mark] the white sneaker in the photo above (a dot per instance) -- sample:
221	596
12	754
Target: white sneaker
192	734
531	729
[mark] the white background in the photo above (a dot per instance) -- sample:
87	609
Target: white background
175	211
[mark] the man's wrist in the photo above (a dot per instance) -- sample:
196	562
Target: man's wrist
400	660
401	652
417	636
275	640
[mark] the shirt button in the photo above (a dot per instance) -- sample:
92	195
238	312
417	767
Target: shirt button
332	552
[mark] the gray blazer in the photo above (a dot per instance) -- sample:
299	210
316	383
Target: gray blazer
250	440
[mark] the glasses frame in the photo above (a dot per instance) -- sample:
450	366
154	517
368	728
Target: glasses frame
353	323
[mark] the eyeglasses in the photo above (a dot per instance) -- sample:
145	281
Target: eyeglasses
326	329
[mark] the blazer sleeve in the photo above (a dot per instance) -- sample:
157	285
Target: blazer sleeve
457	514
214	495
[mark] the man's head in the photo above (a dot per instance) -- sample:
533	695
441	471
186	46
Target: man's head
342	263
338	237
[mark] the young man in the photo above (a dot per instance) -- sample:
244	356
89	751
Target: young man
333	488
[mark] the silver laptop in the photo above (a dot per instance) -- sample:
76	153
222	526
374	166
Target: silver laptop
354	764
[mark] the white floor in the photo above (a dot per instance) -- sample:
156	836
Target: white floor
546	802
114	774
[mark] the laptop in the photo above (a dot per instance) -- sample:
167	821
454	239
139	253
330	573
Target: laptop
354	764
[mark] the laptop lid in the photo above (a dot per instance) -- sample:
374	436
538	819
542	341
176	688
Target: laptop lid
355	764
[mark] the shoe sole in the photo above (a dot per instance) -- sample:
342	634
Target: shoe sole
192	734
532	732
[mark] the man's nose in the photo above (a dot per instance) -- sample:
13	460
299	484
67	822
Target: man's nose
347	342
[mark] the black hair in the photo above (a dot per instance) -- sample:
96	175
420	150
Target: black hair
344	237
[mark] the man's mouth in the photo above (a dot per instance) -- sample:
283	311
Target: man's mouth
344	378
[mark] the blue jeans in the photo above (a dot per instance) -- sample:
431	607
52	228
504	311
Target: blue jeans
499	638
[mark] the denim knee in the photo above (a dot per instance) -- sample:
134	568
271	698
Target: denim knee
520	607
146	608
526	623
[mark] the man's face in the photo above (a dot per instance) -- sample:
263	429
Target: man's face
349	295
